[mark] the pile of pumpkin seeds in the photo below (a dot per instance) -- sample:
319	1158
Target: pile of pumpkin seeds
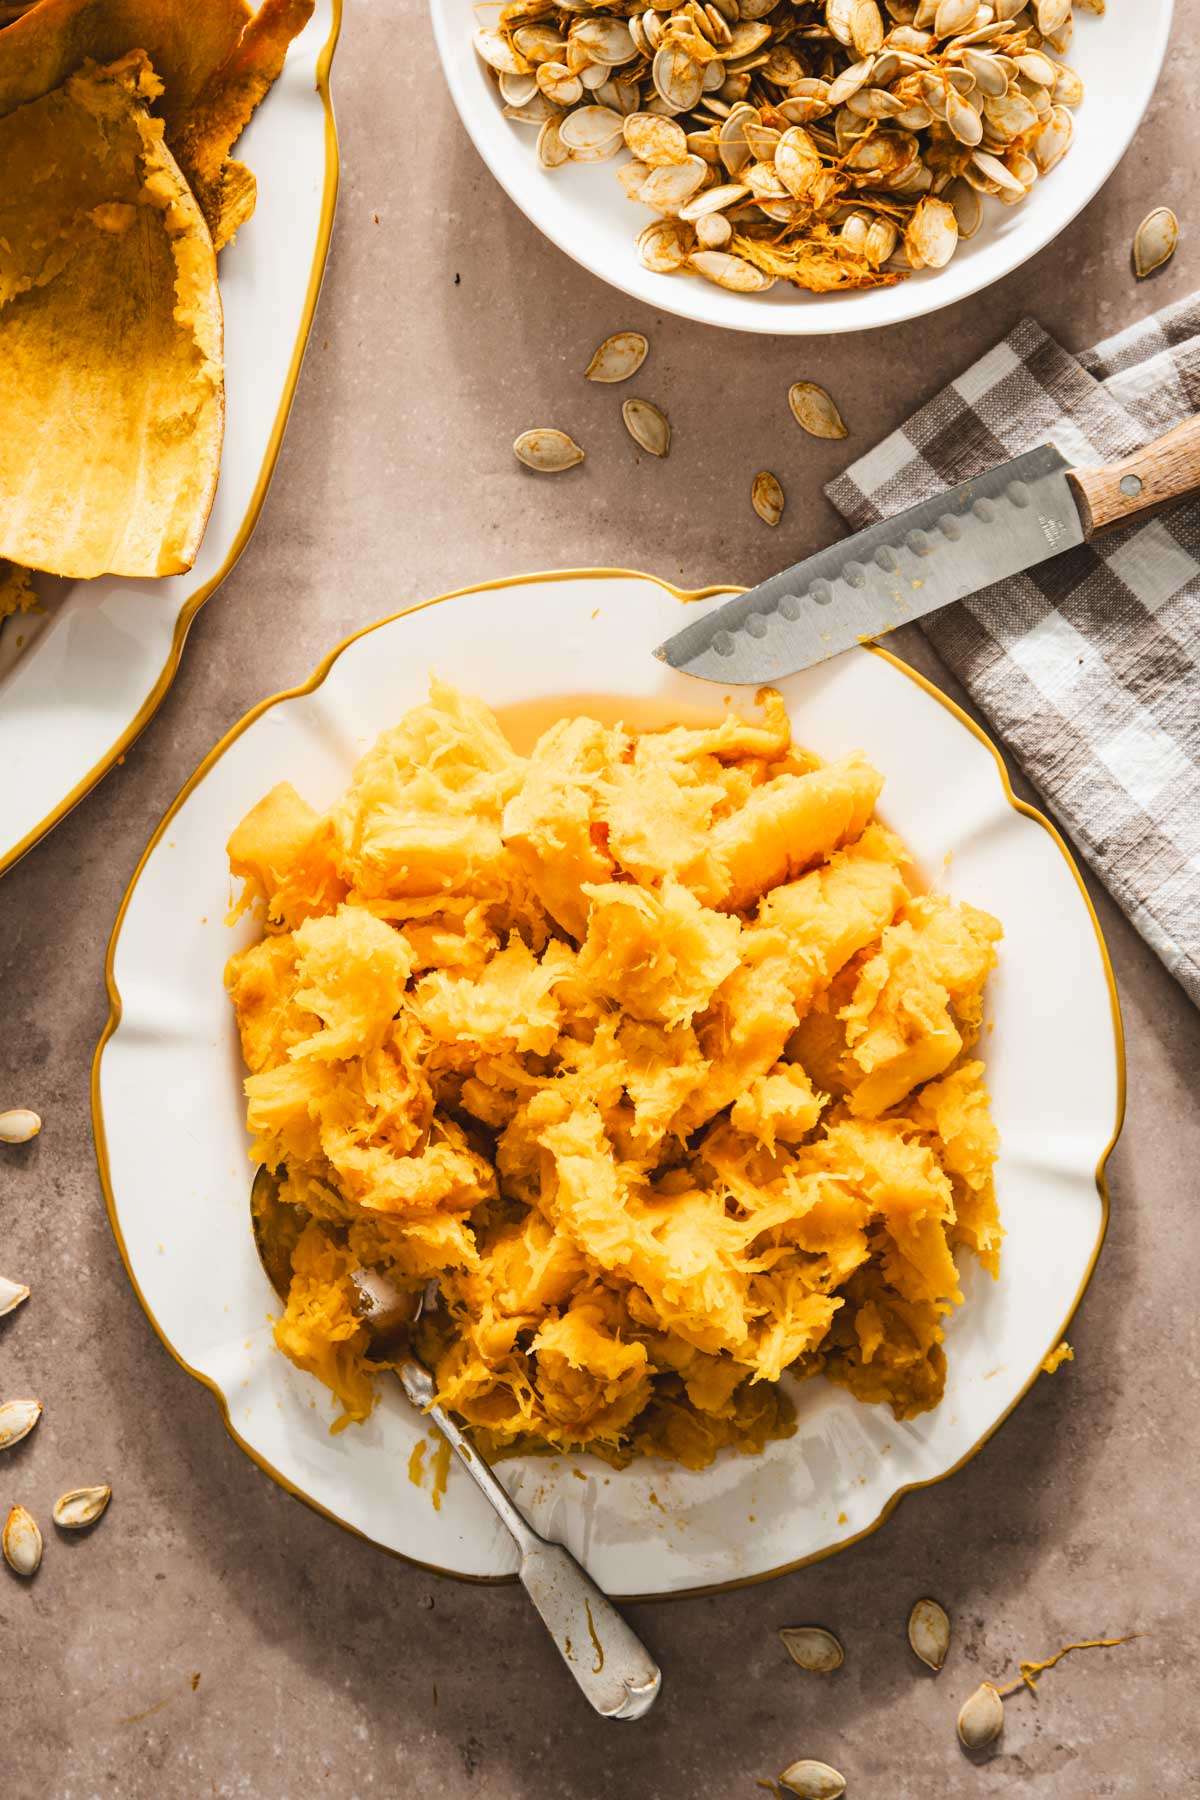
830	143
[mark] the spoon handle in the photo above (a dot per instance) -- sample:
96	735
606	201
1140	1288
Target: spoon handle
611	1665
613	1669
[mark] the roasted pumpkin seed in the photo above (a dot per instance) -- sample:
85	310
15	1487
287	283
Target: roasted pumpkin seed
809	1646
1154	242
929	1633
19	1125
655	141
647	426
547	450
732	272
981	1719
618	357
17	1420
552	153
80	1507
713	231
11	1295
810	1780
931	236
814	411
663	246
21	1542
593	128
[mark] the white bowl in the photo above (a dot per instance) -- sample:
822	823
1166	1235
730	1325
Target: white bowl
167	1097
583	209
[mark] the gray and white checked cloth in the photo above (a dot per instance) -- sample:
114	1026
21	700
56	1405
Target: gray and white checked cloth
1087	665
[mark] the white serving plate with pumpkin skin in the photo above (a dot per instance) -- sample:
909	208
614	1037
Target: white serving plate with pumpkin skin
583	209
167	1096
80	680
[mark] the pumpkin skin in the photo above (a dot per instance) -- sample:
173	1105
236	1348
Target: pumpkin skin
111	378
117	122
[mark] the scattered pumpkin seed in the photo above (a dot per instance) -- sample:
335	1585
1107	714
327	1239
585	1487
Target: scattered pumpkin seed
11	1295
21	1542
17	1420
1154	241
814	411
618	357
813	1781
929	1633
647	426
981	1719
547	450
811	1646
19	1125
767	497
80	1507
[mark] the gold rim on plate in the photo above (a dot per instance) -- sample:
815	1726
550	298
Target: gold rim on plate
193	603
307	687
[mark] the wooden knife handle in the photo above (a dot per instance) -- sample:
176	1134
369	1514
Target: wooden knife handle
1152	478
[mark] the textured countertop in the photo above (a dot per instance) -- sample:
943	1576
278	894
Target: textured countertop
214	1637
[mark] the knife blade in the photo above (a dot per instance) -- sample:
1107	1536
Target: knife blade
997	524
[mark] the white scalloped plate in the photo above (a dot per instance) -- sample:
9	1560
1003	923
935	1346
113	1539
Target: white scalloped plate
80	680
172	1149
583	209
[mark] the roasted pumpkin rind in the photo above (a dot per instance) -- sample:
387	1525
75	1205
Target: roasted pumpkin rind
111	380
216	60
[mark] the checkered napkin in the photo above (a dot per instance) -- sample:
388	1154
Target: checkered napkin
1086	666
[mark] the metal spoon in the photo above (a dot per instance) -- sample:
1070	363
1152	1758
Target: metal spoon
615	1672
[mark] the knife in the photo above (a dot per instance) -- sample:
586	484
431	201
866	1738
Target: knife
999	523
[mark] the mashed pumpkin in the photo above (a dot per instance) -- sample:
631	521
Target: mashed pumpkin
645	1046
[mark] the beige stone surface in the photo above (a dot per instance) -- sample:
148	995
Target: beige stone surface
214	1637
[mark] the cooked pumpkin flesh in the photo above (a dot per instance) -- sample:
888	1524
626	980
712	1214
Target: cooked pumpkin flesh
646	1047
111	384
